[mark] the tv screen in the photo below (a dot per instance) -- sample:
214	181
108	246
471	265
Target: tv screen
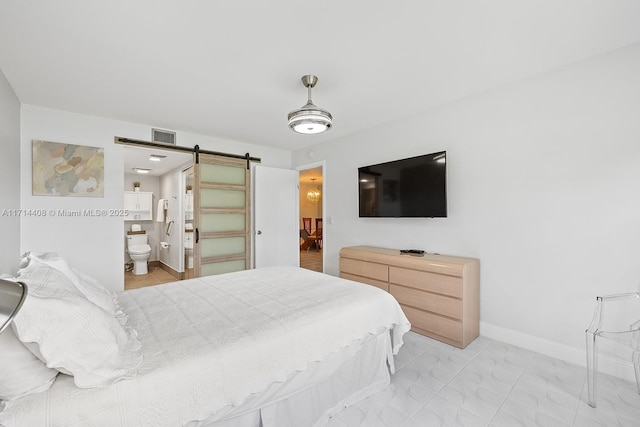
413	187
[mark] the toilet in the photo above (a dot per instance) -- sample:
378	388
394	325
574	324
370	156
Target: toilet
139	251
188	248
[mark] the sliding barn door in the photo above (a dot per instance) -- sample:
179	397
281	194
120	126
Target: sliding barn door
222	215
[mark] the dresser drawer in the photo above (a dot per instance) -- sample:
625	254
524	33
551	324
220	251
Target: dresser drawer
446	306
431	282
367	269
373	282
438	325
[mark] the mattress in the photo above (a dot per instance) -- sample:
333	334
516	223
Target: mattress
211	343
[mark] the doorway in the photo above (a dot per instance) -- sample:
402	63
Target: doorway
156	173
312	234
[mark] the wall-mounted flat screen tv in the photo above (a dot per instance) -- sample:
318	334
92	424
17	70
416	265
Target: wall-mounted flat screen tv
413	187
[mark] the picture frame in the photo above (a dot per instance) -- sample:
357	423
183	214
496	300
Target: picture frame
60	169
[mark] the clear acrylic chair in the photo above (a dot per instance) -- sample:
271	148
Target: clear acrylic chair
620	325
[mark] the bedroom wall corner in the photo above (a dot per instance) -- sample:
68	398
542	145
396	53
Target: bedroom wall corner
10	177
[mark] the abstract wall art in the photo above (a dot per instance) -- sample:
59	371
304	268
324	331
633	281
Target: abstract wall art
67	170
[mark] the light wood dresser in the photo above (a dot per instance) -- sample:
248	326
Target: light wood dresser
438	293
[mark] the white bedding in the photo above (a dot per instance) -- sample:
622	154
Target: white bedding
209	343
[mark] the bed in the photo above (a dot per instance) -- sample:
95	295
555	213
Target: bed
278	346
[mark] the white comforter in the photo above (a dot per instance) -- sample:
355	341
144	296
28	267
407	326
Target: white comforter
209	343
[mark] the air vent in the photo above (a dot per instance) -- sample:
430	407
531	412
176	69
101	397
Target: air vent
166	136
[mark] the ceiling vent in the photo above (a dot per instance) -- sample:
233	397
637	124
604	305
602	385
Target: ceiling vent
166	136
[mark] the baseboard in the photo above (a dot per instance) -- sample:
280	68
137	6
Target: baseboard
606	364
176	274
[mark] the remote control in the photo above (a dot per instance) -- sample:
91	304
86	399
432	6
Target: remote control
412	251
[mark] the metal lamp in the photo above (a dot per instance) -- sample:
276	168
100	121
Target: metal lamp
310	119
12	295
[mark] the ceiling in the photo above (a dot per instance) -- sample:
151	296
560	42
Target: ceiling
311	176
137	157
232	69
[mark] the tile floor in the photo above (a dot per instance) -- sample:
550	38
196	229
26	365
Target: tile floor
489	383
155	276
311	259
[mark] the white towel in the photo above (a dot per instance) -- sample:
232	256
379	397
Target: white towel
162	205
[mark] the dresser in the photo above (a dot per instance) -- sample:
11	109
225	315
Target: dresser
438	293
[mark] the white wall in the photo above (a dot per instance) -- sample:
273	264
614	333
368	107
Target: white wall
94	245
9	177
543	188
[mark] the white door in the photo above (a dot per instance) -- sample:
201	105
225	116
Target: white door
276	224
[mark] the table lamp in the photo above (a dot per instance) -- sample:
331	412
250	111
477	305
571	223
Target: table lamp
12	295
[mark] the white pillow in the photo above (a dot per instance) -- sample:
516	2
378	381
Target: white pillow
21	373
72	334
88	286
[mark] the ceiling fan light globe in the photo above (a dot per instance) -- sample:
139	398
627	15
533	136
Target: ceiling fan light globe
309	121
